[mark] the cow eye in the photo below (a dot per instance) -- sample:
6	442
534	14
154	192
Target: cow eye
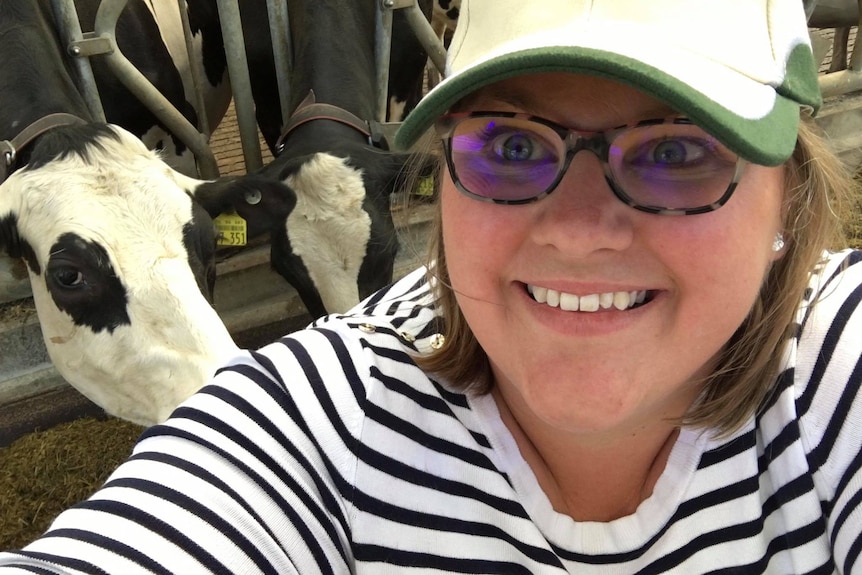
68	277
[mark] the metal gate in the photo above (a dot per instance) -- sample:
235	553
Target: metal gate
102	42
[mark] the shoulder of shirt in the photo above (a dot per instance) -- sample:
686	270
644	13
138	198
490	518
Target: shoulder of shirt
401	314
826	348
829	353
833	290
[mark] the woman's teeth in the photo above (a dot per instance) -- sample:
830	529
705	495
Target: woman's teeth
593	302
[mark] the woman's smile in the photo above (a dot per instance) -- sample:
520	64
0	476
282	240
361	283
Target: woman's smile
619	300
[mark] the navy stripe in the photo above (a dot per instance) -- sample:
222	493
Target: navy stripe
435	483
831	340
451	525
419	398
738	445
787	437
716	497
784	542
390	556
782	383
418	435
854	503
31	568
853	555
60	561
201	511
271	492
396	355
156	525
329	501
820	453
206	476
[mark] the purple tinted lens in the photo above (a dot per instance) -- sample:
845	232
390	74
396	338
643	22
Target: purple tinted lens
654	165
674	166
505	159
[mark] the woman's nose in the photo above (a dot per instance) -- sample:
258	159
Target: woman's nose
582	214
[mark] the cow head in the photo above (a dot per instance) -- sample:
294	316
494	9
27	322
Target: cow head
121	262
331	231
329	219
339	244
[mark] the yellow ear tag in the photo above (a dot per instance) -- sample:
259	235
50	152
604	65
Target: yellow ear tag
231	229
425	187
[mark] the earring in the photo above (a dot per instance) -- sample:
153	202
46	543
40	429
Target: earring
778	242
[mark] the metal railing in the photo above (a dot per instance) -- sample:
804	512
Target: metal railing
101	43
850	79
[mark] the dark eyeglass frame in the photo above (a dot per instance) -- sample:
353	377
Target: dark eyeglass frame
599	143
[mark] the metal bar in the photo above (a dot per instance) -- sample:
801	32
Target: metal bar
70	31
282	50
856	55
842	82
382	53
426	36
105	27
237	66
197	81
849	80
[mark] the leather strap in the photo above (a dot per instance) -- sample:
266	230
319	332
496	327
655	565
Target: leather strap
309	109
9	148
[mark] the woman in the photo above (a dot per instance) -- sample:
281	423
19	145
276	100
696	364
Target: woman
630	354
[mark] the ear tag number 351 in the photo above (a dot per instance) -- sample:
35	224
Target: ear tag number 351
231	230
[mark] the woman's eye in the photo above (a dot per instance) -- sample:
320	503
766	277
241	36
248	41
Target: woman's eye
671	153
516	147
519	146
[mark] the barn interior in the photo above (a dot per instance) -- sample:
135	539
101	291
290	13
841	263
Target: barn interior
56	447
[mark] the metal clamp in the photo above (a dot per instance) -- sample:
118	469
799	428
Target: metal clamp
91	45
9	152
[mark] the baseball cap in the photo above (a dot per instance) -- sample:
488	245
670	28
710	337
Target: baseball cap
740	69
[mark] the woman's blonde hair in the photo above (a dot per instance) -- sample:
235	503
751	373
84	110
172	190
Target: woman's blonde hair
817	185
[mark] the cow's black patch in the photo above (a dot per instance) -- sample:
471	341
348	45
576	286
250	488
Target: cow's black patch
292	268
83	283
66	141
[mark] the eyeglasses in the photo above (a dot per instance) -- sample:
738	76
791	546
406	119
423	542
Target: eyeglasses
666	166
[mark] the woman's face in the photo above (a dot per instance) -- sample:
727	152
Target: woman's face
589	371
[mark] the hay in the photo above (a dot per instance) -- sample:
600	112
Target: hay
853	218
44	472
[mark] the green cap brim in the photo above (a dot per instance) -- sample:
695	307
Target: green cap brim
768	140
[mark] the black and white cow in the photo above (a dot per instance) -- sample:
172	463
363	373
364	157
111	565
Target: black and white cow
121	264
149	33
338	243
119	251
407	63
444	18
407	59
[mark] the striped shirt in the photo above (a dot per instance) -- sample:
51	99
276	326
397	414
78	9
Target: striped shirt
329	451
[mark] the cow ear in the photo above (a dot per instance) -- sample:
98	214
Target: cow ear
262	202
